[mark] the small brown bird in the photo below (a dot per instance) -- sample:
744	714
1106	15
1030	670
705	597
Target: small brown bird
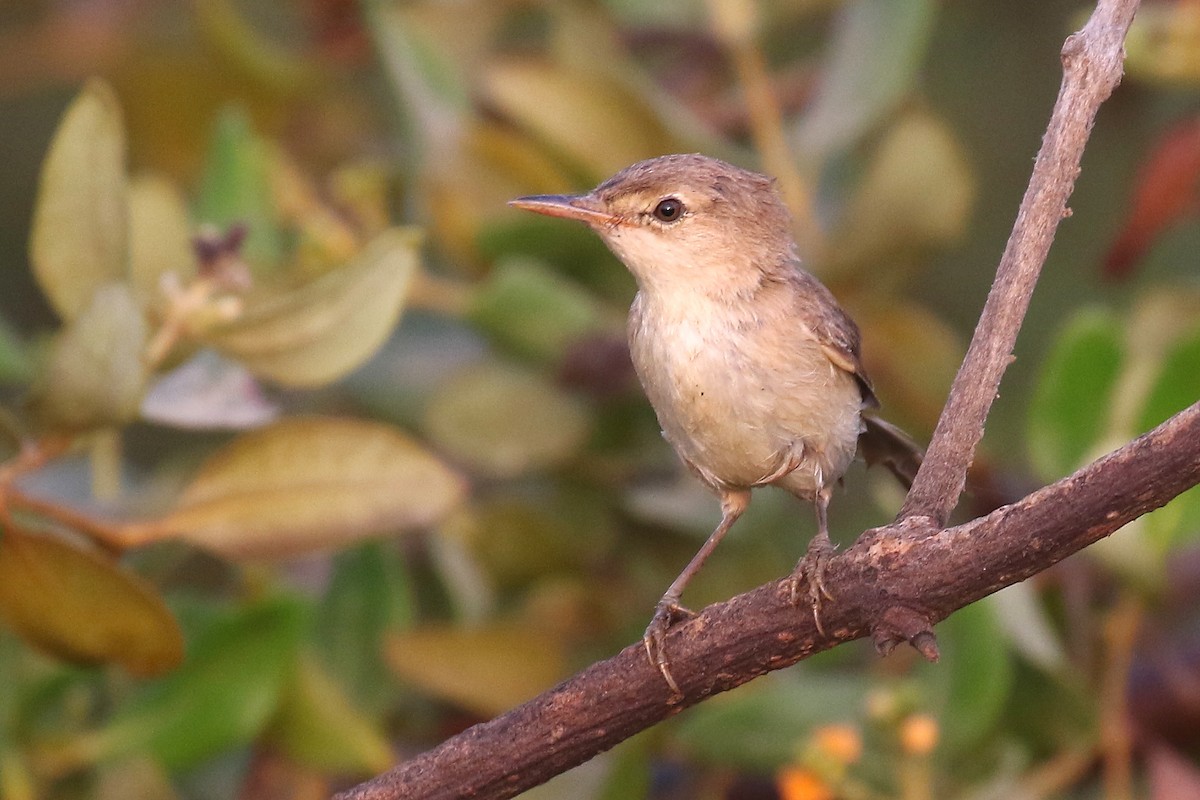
751	365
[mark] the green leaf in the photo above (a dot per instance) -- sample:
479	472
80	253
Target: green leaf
973	679
80	220
877	48
535	312
1178	384
317	333
1072	399
485	670
1177	387
16	366
317	725
160	236
369	594
503	421
79	606
236	189
221	698
305	484
96	374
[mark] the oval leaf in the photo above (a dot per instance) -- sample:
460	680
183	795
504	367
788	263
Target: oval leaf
316	724
594	120
1073	397
79	606
222	697
160	237
877	48
80	221
96	374
485	670
504	421
321	331
535	312
307	484
917	194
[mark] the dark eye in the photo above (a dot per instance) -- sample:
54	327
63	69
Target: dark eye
668	210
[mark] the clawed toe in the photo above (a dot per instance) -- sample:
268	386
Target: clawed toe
811	572
666	614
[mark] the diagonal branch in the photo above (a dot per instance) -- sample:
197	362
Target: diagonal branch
1092	60
896	581
899	572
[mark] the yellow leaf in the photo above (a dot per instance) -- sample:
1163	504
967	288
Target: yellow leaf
319	332
306	484
79	606
597	122
917	194
485	670
80	228
160	236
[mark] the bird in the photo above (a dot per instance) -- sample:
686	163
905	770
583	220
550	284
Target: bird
752	367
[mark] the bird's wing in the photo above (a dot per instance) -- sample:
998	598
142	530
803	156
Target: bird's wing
833	329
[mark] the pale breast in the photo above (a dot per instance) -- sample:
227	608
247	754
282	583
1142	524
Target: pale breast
741	398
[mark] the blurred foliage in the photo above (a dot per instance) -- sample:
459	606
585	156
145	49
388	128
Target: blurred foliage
260	534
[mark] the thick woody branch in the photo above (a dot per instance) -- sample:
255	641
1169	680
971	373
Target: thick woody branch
907	575
1092	60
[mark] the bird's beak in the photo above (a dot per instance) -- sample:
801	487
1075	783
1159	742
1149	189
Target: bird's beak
580	207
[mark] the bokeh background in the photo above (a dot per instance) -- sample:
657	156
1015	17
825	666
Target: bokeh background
328	454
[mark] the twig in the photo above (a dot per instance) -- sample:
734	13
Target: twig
1092	60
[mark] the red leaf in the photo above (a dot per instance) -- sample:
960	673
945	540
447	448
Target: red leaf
1168	188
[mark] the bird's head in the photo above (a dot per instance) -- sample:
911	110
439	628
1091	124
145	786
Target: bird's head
683	222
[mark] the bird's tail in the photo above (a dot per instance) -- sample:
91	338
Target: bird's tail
883	443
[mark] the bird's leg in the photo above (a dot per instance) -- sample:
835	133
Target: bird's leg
811	568
668	611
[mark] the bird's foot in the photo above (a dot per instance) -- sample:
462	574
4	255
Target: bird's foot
667	613
810	570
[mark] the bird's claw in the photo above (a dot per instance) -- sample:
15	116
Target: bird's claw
667	613
811	571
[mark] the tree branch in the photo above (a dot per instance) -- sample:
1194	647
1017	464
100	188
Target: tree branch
1092	60
896	581
904	574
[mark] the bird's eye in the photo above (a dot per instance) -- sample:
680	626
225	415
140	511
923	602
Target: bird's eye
668	210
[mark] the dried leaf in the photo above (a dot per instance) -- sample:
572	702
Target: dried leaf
504	421
79	606
319	332
80	221
306	484
96	374
485	670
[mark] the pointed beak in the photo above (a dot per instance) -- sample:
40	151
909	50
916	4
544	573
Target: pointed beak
579	207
